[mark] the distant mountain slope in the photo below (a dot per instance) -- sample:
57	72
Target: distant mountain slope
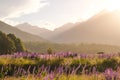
42	32
102	28
62	29
22	35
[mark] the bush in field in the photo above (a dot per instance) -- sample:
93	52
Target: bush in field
18	44
100	52
7	46
49	51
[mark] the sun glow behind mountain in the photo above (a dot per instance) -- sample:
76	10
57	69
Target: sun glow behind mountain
112	5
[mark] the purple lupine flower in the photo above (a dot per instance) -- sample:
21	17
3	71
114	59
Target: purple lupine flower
51	75
110	74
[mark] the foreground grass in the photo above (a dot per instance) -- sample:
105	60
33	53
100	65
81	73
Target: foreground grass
58	77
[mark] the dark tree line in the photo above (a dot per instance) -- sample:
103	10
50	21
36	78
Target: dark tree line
9	44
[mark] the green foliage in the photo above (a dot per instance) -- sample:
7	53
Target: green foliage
18	44
107	63
7	46
75	63
1	75
55	63
10	44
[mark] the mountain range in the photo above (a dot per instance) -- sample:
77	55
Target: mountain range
42	32
102	28
6	28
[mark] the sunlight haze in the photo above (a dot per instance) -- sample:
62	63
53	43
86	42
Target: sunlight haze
51	14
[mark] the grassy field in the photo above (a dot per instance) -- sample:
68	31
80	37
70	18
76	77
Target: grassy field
76	48
60	66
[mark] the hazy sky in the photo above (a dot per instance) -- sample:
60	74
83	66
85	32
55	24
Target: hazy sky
51	14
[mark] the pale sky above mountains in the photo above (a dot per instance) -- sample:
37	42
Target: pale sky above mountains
51	14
